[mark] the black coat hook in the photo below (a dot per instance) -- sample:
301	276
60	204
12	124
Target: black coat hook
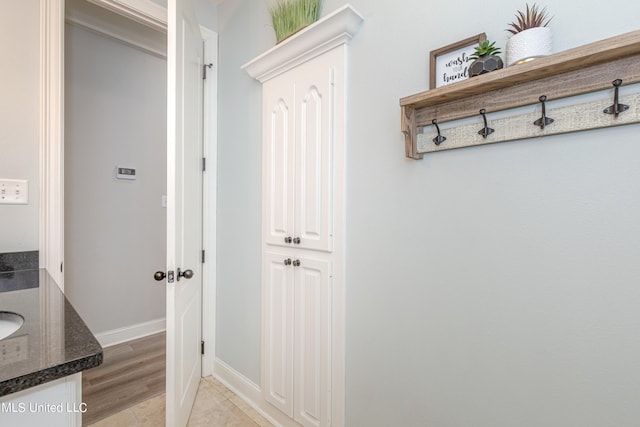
544	120
486	130
438	139
616	108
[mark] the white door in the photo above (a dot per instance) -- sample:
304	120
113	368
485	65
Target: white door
297	333
278	307
313	151
312	322
279	160
184	210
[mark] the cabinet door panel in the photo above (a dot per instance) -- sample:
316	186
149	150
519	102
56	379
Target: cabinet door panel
312	335
278	297
279	161
313	157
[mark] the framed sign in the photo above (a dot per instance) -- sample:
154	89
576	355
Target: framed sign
450	64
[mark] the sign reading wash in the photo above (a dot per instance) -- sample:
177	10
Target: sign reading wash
450	64
453	67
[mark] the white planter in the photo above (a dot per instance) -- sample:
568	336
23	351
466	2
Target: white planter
528	44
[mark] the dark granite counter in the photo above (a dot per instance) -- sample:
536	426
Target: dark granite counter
52	343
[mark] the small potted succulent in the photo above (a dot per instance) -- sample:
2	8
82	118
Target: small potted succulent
531	36
485	58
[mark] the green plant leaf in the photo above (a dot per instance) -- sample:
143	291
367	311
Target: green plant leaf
289	16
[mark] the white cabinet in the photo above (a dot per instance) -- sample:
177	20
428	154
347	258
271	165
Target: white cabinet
303	214
53	404
300	140
298	110
296	339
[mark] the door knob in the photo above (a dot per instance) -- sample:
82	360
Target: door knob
296	241
159	275
287	240
287	261
296	263
187	274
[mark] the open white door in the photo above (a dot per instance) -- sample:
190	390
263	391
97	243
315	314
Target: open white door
184	210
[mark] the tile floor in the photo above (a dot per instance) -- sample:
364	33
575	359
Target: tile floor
215	406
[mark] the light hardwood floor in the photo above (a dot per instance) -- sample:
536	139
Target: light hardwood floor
215	406
131	373
127	390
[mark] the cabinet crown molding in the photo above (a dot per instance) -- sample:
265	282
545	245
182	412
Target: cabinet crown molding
332	30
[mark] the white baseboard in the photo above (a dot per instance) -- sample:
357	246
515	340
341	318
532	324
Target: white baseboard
242	386
128	333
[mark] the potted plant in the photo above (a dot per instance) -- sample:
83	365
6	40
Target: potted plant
485	58
290	16
531	37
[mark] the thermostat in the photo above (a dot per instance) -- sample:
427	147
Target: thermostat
125	172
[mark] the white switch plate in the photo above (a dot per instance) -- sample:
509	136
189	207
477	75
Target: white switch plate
14	191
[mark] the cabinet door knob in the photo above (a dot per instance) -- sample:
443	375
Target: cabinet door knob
296	263
296	241
287	261
159	275
288	240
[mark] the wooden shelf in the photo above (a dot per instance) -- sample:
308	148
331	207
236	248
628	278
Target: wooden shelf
572	72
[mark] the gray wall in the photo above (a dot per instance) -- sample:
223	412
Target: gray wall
19	119
115	230
490	286
243	33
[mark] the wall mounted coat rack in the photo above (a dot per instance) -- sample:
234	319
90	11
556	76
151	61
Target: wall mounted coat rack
606	65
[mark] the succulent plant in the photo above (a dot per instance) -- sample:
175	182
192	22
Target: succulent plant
485	48
532	17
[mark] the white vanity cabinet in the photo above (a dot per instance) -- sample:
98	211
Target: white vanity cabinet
304	92
54	404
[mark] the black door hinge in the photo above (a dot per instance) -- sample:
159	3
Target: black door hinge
203	256
204	70
201	347
204	164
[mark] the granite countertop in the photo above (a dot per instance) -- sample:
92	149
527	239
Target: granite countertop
53	342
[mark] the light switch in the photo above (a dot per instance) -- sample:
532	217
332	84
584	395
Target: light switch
14	191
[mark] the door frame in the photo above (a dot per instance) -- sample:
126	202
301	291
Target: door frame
51	162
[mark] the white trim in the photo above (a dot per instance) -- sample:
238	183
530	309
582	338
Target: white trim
242	386
333	30
128	333
79	22
145	12
51	240
73	391
209	202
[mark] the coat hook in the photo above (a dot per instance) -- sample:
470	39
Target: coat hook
486	130
616	108
438	139
544	120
